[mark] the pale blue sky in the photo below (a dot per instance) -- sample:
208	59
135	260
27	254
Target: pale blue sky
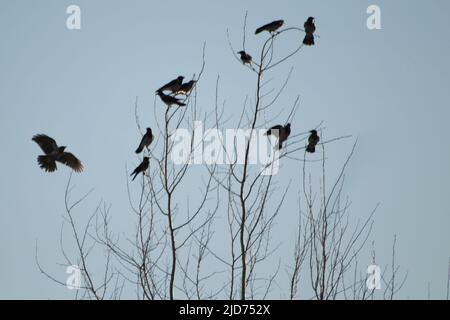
389	86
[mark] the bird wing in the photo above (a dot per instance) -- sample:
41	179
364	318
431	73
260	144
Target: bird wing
139	168
70	160
46	143
185	88
263	28
313	139
171	99
145	141
168	85
284	134
309	28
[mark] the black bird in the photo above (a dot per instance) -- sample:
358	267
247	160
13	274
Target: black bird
313	140
270	27
245	57
147	139
173	85
141	168
54	153
281	132
169	100
186	87
310	27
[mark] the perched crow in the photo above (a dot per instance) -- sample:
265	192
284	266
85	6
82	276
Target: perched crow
169	100
54	153
270	27
172	86
141	168
186	87
281	132
245	57
147	139
310	27
313	140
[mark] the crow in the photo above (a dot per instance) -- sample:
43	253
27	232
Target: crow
270	27
169	100
313	140
54	153
310	27
172	86
147	139
186	87
245	57
141	168
282	132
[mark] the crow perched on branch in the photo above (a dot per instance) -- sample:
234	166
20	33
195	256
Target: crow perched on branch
270	27
313	140
54	153
147	139
245	57
169	100
172	86
186	87
282	132
141	168
310	27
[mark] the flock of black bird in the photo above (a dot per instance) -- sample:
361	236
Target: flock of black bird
54	153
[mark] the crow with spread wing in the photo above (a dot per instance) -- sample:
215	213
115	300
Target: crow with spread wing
53	153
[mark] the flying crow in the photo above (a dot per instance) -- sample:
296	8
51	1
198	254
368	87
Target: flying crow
54	153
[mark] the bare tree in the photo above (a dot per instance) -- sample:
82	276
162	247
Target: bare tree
84	246
251	192
142	259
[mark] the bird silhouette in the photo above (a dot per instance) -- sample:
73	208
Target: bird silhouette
313	140
310	27
146	140
173	85
169	100
281	132
270	27
245	57
186	87
53	154
141	168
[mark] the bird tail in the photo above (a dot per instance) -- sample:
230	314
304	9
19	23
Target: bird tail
311	148
47	163
135	175
140	148
308	40
259	30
